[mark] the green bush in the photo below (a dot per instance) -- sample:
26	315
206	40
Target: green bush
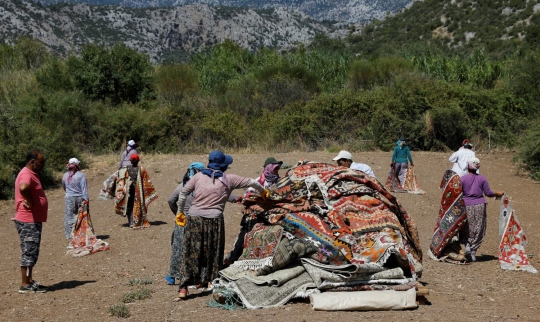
119	73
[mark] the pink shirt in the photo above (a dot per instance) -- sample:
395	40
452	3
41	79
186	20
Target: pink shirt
38	212
210	195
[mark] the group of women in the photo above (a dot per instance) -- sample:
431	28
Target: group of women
198	239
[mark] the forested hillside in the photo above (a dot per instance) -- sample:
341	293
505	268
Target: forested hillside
499	27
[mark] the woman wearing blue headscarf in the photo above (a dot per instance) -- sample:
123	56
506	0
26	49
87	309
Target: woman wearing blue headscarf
204	234
400	160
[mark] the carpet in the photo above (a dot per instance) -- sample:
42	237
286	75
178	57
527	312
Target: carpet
280	277
262	296
331	278
512	255
84	241
260	245
452	215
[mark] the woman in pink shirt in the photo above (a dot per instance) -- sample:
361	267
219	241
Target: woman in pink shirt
204	235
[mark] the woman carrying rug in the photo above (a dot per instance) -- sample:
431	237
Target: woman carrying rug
132	191
475	186
75	185
268	178
204	234
400	160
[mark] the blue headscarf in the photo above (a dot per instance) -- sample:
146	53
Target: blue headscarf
218	162
192	170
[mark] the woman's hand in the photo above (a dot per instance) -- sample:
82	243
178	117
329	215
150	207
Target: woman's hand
499	195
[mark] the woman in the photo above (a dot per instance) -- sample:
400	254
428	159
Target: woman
475	186
126	155
76	187
178	232
204	234
400	160
268	178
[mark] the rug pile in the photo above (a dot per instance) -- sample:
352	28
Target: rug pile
324	229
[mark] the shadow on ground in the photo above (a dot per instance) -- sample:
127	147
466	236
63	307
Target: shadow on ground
64	285
486	258
152	223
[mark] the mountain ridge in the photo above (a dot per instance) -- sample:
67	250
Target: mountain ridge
161	33
350	11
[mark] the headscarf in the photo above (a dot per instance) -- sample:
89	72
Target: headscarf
73	167
192	170
473	164
268	174
218	162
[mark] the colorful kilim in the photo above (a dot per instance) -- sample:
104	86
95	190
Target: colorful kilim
452	215
309	227
260	245
117	187
342	210
145	194
411	182
512	254
392	182
84	241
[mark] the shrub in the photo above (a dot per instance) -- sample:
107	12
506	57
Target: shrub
139	294
119	73
119	311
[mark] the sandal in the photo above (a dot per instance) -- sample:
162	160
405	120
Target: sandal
183	293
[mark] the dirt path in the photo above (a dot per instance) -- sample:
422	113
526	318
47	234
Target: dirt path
84	288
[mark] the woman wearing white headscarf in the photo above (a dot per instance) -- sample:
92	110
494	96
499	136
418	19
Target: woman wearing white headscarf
475	186
126	155
76	187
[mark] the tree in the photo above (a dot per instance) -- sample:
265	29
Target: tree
119	73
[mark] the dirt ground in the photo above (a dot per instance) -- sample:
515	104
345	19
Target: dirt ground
84	288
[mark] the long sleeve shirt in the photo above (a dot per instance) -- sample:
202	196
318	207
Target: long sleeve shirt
173	200
401	155
211	194
475	186
460	159
364	168
78	187
124	159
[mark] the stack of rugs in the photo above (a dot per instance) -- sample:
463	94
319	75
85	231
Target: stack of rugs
330	233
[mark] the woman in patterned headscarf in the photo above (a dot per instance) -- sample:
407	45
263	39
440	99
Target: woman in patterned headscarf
204	235
475	186
268	178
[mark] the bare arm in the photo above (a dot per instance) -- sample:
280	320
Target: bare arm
24	188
